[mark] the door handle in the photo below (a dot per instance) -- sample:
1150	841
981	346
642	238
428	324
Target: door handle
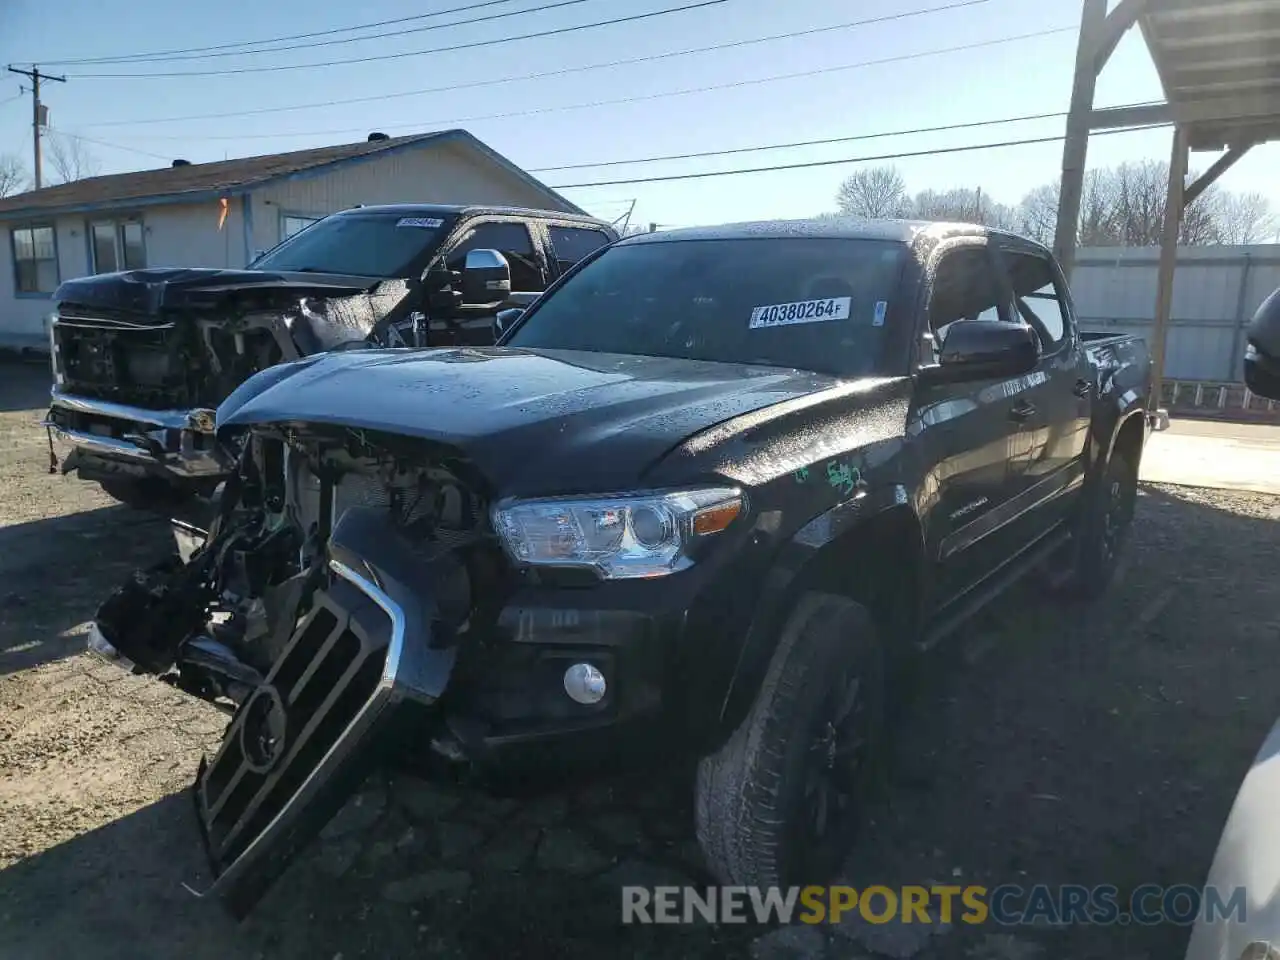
1022	410
1082	388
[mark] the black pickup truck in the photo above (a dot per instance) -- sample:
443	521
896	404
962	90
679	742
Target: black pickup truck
704	495
142	358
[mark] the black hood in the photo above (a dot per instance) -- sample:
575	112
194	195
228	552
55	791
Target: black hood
148	292
532	421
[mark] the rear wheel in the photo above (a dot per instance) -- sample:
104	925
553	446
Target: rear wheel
780	803
1103	527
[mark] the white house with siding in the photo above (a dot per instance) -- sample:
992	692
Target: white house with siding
223	214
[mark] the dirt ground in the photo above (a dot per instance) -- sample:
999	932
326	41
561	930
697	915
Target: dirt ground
1047	745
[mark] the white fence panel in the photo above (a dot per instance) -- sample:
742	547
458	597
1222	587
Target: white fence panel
1216	291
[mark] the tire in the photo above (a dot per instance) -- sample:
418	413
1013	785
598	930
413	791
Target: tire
755	807
145	493
1103	526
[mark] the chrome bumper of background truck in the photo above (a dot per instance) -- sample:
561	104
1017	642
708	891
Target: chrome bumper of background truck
178	442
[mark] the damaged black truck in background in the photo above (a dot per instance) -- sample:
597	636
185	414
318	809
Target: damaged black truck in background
706	495
141	359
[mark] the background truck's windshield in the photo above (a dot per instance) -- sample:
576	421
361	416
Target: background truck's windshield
810	303
363	245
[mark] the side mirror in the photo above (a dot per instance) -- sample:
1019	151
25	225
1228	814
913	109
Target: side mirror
486	279
985	349
1262	356
504	320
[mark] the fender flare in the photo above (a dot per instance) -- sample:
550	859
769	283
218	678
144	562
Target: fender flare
1128	412
777	590
1109	419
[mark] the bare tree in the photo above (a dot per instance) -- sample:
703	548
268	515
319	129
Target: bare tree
1123	206
957	205
70	157
13	176
1120	206
1038	213
1097	227
1244	217
963	205
874	192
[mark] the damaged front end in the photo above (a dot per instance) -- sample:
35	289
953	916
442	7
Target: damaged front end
141	360
326	603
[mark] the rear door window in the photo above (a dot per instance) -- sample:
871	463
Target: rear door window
1039	300
571	244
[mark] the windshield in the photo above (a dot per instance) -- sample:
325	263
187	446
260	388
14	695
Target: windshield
363	245
809	303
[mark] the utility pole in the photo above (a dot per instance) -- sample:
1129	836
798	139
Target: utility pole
38	112
626	219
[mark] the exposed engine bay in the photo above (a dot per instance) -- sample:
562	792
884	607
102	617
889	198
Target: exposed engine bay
196	353
215	624
329	546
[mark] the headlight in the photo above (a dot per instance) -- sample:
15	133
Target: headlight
620	537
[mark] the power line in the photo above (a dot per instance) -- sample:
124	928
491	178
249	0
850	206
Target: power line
372	36
524	78
144	57
805	143
937	151
734	84
12	99
411	53
105	143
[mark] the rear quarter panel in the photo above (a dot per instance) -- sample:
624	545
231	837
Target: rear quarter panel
1122	386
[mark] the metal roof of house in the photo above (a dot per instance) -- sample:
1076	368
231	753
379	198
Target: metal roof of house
1219	64
200	181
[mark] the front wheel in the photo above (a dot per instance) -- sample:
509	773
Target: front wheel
780	803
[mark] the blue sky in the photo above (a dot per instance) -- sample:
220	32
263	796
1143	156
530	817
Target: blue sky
1026	76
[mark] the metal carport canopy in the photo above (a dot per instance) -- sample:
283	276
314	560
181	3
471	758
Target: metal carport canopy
1219	65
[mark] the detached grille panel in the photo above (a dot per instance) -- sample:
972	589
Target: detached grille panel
316	702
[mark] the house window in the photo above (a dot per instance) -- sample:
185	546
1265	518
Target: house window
117	245
35	259
290	224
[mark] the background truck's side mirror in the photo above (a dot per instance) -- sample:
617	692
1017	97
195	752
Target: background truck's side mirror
504	320
984	349
486	279
1262	356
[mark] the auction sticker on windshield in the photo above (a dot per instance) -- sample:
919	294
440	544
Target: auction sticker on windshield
804	311
429	223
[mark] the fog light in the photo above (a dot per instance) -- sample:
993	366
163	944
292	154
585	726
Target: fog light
584	683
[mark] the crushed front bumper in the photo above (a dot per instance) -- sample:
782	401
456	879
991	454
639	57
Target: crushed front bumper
173	443
369	679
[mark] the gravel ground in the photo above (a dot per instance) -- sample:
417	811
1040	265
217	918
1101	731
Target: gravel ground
1051	745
